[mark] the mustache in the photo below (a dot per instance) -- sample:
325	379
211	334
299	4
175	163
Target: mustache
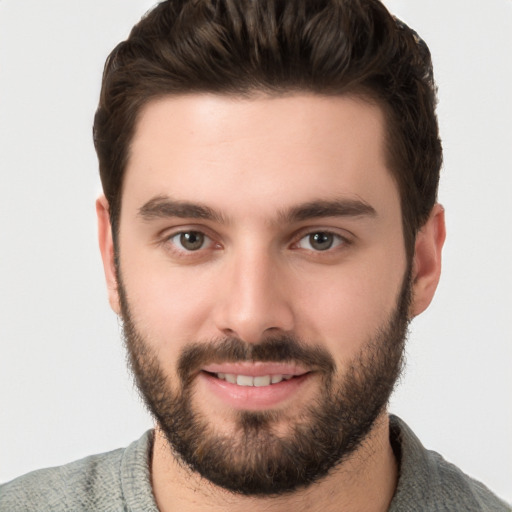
284	348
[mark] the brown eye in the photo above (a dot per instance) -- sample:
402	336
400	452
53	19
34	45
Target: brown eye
190	240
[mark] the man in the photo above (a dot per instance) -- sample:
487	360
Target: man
268	230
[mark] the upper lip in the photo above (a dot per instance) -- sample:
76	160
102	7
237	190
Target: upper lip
256	369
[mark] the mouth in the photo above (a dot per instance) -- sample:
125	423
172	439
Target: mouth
254	386
248	380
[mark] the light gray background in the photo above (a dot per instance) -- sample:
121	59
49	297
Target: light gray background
64	390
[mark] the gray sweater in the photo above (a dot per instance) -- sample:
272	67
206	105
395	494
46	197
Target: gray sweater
120	481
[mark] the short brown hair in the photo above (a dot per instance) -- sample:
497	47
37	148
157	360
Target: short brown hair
238	47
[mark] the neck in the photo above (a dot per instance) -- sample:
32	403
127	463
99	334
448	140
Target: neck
365	481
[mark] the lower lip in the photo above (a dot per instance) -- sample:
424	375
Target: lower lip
252	397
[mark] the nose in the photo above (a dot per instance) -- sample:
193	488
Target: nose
253	299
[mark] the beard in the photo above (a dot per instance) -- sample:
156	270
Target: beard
255	459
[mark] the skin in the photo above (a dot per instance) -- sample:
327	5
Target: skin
250	160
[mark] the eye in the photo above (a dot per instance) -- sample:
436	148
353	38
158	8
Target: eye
190	240
320	241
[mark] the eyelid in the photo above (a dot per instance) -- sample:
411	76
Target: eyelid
170	231
206	240
343	241
343	234
165	238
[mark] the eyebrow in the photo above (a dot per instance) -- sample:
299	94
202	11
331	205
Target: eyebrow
328	208
162	207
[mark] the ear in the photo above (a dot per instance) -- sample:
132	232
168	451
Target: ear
107	251
426	268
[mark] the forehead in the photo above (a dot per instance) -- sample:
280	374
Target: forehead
273	152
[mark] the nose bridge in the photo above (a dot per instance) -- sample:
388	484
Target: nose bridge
254	302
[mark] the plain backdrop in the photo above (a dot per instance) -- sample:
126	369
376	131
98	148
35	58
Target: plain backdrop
64	389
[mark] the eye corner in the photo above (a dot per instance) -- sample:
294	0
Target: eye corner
188	243
320	240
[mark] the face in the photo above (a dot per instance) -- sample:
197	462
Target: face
263	281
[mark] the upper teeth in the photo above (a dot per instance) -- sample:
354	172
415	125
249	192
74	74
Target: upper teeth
247	380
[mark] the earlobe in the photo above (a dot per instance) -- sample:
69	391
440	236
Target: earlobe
107	251
427	260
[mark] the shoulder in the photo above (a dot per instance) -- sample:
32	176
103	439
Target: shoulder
94	483
455	485
80	485
428	482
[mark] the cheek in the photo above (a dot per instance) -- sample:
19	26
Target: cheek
168	305
344	309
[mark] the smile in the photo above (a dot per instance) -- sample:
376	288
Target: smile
253	386
248	380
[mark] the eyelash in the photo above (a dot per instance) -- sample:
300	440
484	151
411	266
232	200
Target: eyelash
188	232
339	241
